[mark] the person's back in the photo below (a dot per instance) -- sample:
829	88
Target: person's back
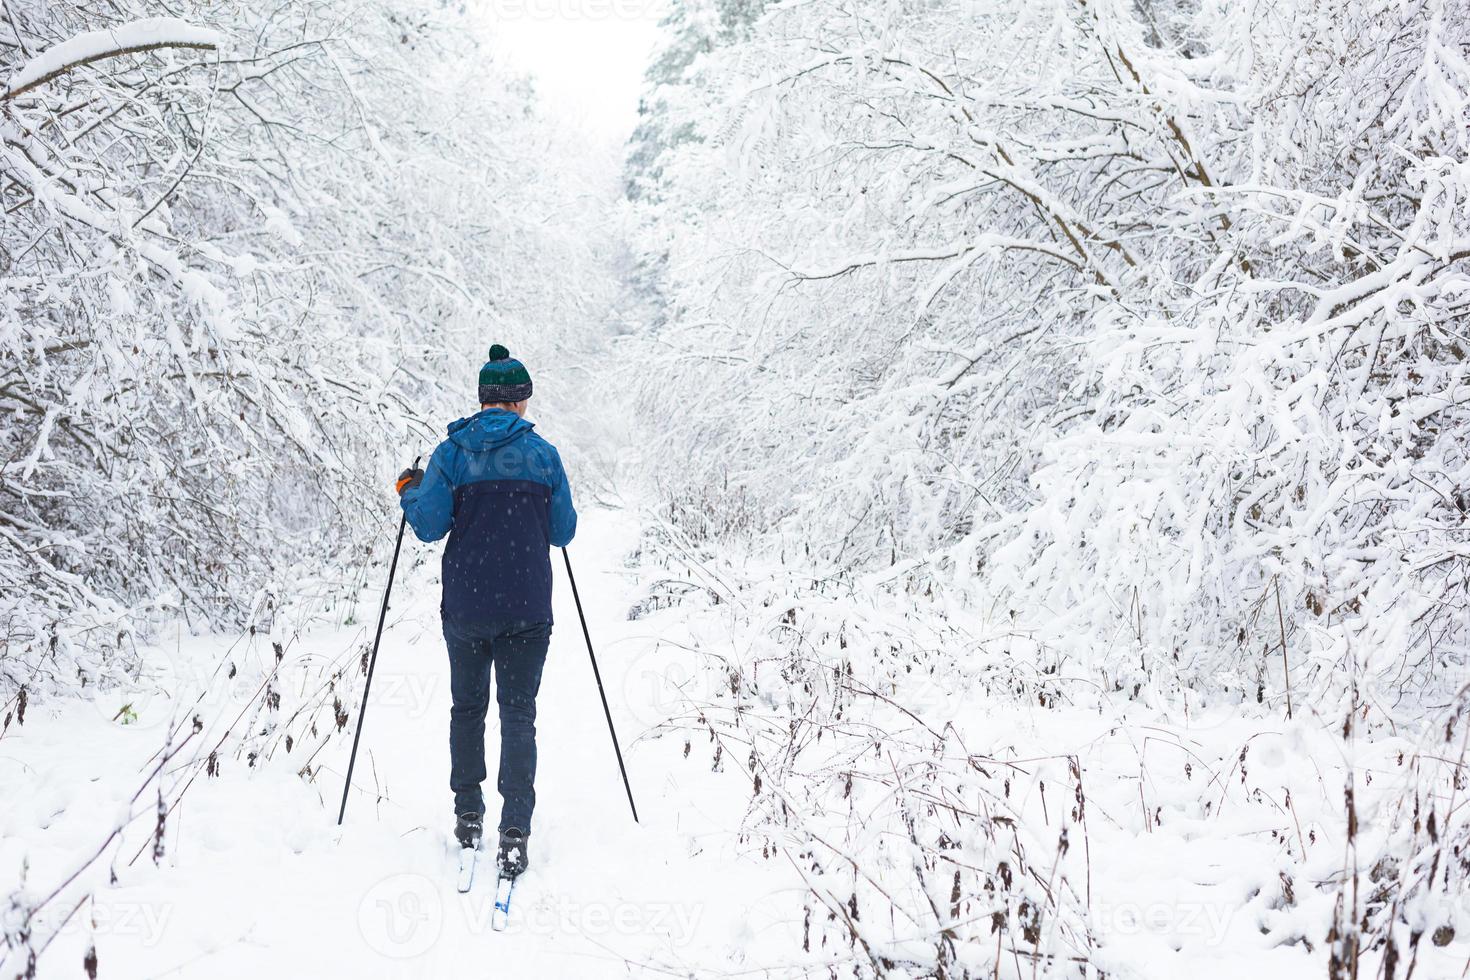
499	491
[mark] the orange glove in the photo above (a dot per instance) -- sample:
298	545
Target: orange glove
409	478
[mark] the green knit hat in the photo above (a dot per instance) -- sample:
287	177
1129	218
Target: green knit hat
503	378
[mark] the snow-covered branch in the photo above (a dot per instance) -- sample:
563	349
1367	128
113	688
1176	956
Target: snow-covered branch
134	37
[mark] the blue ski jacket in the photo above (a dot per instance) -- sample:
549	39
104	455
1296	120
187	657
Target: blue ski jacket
500	493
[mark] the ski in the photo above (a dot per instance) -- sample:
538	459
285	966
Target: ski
500	918
466	868
467	831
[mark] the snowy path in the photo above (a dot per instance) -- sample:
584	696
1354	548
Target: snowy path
258	881
602	890
1187	834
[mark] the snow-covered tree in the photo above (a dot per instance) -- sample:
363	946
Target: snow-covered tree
247	254
690	28
1124	340
1143	319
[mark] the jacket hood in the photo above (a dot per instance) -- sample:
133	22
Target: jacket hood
490	429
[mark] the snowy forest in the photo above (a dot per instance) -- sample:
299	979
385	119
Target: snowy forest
1023	456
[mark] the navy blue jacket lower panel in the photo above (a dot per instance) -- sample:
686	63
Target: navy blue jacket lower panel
497	564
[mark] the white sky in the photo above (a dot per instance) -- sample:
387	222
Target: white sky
588	56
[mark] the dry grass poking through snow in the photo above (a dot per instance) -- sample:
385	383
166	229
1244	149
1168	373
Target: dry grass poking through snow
962	802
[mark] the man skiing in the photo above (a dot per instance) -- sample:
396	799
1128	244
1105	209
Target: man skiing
499	491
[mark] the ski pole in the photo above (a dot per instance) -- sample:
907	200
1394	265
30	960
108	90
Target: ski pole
373	660
598	676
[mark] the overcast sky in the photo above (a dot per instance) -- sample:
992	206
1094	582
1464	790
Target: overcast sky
588	56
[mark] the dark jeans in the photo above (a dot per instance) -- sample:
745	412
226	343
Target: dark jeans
517	651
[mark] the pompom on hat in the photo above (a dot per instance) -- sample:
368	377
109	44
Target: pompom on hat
503	378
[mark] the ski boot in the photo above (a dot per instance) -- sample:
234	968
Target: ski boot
512	859
469	828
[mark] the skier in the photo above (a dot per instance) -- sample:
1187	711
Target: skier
499	491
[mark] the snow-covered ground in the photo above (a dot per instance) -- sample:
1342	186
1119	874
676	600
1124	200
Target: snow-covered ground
257	880
1193	838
